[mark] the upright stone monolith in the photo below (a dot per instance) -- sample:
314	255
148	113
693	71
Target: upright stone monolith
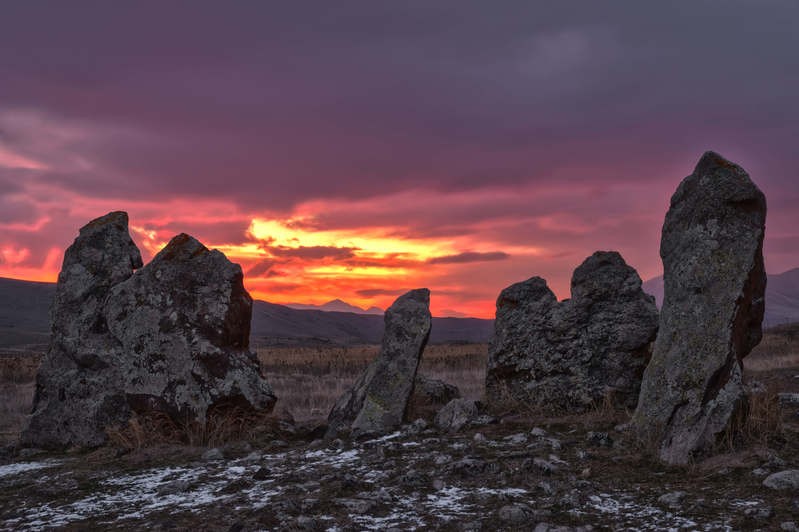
377	401
712	251
172	338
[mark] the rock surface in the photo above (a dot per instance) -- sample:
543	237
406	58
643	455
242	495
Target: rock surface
712	251
377	401
784	480
573	354
456	414
429	395
173	337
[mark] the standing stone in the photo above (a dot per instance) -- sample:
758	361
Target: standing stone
577	353
183	322
77	385
377	401
172	337
712	251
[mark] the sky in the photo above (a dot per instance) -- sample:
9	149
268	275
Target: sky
356	150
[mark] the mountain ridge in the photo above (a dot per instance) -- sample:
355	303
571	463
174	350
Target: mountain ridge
24	321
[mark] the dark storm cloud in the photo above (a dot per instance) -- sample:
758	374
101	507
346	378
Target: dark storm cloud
312	252
469	256
273	104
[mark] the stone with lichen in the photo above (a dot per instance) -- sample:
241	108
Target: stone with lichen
712	251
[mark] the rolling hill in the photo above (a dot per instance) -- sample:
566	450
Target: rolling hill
24	321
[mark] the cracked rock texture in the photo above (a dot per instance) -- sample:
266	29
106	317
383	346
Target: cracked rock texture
377	402
712	251
572	355
172	337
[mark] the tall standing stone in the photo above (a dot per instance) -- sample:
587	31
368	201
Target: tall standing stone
77	385
712	251
171	337
377	401
574	354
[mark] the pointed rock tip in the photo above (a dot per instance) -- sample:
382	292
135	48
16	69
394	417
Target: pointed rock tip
118	218
181	247
711	161
418	294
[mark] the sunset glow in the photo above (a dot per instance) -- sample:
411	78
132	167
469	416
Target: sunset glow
384	152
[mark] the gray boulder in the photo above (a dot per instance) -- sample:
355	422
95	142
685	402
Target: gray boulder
377	402
784	480
172	338
456	414
183	322
77	385
428	396
574	354
712	251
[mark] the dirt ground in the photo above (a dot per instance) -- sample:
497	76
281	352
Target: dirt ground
507	471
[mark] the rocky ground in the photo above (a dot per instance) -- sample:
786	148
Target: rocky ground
512	473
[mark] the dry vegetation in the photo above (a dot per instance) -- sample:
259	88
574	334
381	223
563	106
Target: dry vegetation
308	380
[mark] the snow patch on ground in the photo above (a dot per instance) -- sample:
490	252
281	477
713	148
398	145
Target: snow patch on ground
21	467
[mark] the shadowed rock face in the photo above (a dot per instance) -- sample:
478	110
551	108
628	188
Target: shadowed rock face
377	401
171	337
573	354
712	251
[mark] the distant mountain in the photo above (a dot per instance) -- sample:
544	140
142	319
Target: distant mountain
25	312
336	305
24	321
782	297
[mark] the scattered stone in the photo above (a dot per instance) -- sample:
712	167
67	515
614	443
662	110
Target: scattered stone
712	250
428	396
546	466
789	526
578	353
760	472
456	415
213	454
538	432
305	522
761	512
377	402
599	439
788	398
483	419
173	339
175	486
515	514
479	438
784	480
516	439
29	452
357	506
673	499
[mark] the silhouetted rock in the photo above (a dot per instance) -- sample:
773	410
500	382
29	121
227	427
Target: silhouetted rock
377	401
576	353
712	250
172	337
428	396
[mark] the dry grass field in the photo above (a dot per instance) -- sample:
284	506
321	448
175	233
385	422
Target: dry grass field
308	380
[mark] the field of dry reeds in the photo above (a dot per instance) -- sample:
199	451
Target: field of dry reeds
308	380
